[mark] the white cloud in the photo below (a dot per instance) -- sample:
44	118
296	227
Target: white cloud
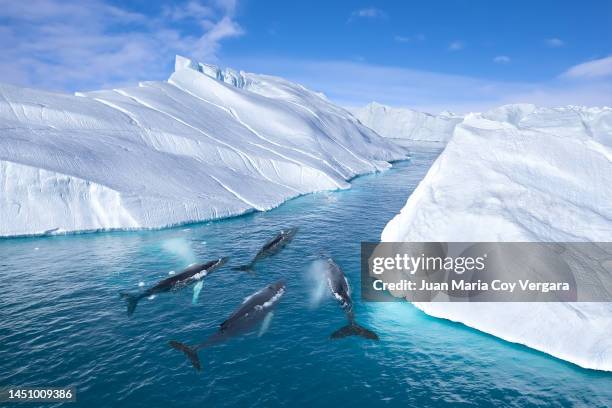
207	46
598	68
73	45
228	5
412	38
456	46
353	83
369	12
501	59
554	42
191	9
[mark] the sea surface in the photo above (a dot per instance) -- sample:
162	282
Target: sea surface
62	322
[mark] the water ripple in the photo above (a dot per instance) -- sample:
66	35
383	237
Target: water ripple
63	323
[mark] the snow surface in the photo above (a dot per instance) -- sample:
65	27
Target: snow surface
408	124
206	144
522	173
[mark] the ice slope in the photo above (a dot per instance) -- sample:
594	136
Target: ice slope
403	123
208	143
522	173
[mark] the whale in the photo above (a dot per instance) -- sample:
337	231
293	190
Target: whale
192	274
270	248
341	290
254	309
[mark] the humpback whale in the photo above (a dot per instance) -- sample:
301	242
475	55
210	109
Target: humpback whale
193	273
340	288
254	309
272	247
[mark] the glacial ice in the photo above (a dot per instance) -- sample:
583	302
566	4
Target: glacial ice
407	124
522	173
206	144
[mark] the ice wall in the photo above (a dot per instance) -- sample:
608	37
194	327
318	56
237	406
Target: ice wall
522	173
207	143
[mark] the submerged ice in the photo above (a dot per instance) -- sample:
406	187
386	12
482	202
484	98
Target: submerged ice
208	143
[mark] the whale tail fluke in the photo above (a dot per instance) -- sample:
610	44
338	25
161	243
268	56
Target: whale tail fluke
192	353
132	301
353	329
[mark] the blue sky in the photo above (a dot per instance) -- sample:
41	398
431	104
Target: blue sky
460	55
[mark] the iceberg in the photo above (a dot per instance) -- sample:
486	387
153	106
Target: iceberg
522	173
206	144
407	125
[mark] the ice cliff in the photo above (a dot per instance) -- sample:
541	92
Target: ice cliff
522	173
406	124
208	143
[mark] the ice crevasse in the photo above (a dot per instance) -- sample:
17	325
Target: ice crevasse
208	143
522	173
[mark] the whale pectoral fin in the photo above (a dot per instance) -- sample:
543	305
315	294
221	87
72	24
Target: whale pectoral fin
196	291
265	325
353	329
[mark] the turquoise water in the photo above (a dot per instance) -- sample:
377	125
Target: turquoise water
62	322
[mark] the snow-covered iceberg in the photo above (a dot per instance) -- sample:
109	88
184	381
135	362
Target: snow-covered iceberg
208	143
408	125
522	173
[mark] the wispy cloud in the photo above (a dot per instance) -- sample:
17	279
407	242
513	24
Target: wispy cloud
73	45
501	59
599	68
424	90
554	42
369	12
411	38
456	45
192	9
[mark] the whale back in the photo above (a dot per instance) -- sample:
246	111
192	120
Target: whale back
259	303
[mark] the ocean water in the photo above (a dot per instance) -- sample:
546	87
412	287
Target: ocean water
62	322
